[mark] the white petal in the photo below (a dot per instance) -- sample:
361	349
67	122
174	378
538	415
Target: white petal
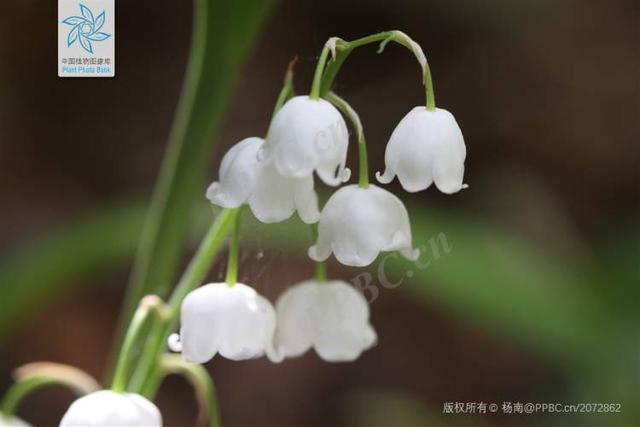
426	146
345	330
234	321
237	175
245	178
12	422
296	321
356	224
107	408
332	317
272	197
307	135
306	200
275	197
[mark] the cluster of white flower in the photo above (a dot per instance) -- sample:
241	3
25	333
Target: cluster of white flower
275	178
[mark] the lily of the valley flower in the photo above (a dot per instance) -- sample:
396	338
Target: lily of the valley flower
108	408
425	147
12	422
234	321
332	317
272	197
306	135
358	223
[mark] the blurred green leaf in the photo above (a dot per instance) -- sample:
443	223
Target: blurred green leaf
619	253
223	33
41	271
496	281
490	278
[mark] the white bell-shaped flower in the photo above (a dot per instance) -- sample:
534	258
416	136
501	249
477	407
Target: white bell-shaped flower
272	197
358	223
108	408
332	317
234	321
425	147
12	422
306	135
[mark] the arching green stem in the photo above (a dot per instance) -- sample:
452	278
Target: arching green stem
202	384
317	75
350	113
343	48
34	376
150	305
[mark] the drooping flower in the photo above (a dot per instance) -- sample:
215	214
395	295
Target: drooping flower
306	135
108	408
272	197
425	147
358	223
234	321
332	317
12	422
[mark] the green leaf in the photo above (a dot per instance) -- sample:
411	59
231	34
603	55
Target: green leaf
40	272
223	33
497	281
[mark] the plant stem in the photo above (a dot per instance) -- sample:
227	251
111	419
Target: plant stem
33	376
202	383
145	379
149	305
148	358
321	266
201	262
222	35
154	262
350	113
18	391
317	75
234	248
344	48
321	271
193	276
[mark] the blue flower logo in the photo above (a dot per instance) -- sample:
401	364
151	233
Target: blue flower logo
86	29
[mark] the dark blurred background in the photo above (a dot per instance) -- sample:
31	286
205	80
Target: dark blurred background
547	95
